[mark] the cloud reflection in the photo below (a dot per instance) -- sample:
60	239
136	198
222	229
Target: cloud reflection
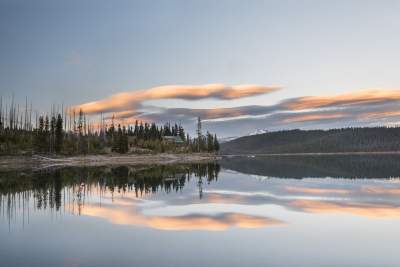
329	197
129	215
361	209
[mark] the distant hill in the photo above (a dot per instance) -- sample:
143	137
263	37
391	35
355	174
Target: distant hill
317	141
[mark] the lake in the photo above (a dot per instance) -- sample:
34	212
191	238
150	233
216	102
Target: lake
240	211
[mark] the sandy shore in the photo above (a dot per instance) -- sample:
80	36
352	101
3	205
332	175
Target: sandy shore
21	162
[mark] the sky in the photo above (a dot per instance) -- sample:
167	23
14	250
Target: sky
239	65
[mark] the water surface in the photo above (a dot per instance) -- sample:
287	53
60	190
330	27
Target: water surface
313	211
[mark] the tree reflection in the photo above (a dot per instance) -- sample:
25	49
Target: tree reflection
55	189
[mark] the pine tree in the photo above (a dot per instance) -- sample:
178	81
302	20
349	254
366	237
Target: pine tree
136	131
216	143
182	133
59	136
40	139
52	133
167	130
210	142
199	134
46	134
121	140
141	131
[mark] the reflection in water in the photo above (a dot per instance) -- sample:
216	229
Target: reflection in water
139	196
125	215
378	210
363	197
344	166
79	190
311	190
148	213
118	195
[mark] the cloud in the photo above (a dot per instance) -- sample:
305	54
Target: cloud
379	115
312	117
359	108
215	113
134	100
363	108
305	108
354	98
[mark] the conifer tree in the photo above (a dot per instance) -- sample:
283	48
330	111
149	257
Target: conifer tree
216	143
59	136
182	133
210	142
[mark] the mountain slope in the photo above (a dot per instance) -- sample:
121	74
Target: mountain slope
317	141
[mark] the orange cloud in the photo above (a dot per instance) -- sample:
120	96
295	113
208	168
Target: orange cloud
353	98
133	100
312	117
129	106
379	115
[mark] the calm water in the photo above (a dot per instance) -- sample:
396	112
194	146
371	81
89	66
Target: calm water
313	211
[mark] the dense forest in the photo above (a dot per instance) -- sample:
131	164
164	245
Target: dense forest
69	132
317	141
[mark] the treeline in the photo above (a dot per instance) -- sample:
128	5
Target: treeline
374	139
70	133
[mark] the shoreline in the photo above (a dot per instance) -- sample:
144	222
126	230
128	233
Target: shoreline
312	154
15	162
44	162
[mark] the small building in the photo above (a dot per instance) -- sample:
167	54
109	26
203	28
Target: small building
173	139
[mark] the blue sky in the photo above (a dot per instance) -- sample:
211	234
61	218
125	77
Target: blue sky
81	51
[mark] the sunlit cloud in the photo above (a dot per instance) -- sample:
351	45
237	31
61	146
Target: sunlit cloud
305	109
380	115
312	117
359	108
353	98
134	99
124	114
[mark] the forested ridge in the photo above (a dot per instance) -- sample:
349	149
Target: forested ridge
368	139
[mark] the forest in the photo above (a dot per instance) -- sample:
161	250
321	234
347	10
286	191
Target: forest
68	132
367	139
